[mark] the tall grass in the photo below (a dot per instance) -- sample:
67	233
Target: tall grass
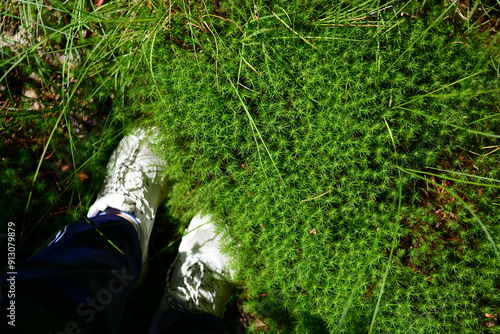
64	68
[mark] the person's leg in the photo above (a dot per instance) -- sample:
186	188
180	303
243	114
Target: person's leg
80	282
198	284
193	324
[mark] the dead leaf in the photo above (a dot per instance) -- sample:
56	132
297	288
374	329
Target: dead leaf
259	323
489	324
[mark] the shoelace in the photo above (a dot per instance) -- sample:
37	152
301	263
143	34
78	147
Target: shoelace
129	177
128	181
198	290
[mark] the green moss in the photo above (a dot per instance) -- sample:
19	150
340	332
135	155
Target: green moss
287	121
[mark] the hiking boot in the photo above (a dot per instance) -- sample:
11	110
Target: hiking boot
135	185
198	280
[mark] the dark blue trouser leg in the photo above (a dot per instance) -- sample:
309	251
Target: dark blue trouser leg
80	282
192	324
175	322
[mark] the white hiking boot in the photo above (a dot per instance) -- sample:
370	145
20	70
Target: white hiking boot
198	280
135	183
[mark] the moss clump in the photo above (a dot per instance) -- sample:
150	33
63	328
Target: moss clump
297	125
